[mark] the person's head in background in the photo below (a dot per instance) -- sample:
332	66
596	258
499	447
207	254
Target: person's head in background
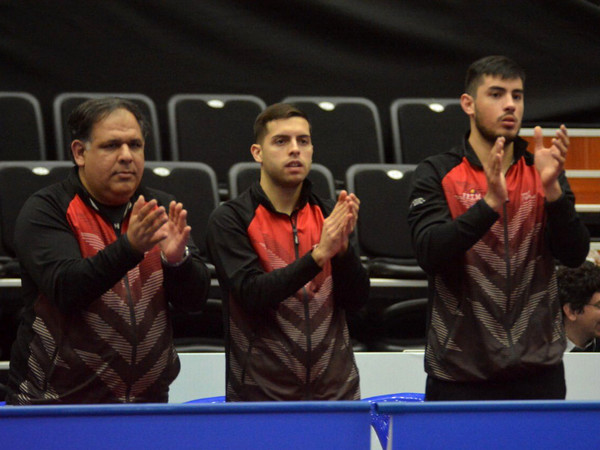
579	294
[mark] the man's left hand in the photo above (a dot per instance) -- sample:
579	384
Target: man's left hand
178	232
550	161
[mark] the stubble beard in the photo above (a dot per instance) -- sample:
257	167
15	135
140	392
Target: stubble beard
491	136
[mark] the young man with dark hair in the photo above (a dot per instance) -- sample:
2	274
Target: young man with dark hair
579	294
488	219
102	257
289	271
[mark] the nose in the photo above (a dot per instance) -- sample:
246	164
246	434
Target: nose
510	104
294	146
125	154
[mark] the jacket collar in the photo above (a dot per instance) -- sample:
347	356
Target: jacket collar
259	195
591	346
89	200
520	151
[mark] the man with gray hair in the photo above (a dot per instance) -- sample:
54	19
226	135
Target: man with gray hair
101	258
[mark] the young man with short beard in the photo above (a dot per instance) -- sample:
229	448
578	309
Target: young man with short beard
488	220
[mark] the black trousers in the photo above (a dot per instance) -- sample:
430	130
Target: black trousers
546	384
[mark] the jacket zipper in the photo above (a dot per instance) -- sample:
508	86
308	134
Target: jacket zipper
134	336
307	394
508	275
117	230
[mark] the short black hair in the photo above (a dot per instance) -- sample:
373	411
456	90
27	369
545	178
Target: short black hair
577	285
83	118
275	112
495	65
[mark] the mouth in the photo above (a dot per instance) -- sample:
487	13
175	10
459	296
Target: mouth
294	164
125	174
509	121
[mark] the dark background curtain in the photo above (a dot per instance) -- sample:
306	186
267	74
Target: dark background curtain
379	49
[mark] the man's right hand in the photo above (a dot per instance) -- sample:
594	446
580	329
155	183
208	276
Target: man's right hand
337	228
145	223
497	194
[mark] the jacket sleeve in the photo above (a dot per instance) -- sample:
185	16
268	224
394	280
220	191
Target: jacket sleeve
239	270
187	285
438	239
350	279
567	236
49	254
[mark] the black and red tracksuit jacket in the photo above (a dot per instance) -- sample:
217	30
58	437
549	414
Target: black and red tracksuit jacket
287	336
494	310
96	325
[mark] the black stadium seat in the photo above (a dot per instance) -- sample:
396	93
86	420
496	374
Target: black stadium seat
19	180
400	326
423	127
382	228
345	131
215	129
21	128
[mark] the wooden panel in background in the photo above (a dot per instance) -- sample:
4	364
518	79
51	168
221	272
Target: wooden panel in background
584	154
584	151
586	190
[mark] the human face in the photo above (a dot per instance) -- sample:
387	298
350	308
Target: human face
285	153
588	321
111	163
497	108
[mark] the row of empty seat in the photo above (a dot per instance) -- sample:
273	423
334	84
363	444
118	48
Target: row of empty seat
217	129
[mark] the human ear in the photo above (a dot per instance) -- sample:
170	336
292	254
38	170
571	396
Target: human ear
569	313
466	103
256	151
77	149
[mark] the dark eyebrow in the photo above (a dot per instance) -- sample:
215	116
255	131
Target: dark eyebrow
503	89
287	136
121	141
111	141
279	136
